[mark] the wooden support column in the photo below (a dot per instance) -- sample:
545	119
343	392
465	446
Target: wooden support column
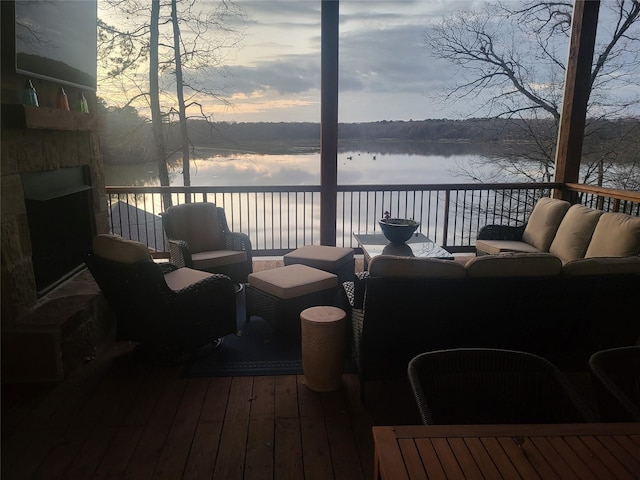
577	87
329	122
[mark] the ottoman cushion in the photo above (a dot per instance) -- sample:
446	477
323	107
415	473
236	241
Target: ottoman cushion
320	256
292	281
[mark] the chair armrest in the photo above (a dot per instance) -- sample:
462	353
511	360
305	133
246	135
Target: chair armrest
180	253
238	241
167	267
501	232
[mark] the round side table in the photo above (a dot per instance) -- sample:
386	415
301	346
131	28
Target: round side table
323	347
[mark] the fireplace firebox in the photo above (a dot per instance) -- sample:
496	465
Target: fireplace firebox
61	224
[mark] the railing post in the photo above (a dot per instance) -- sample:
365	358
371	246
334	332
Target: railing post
577	88
329	123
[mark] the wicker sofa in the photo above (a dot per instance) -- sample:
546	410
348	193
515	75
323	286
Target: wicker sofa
570	232
521	301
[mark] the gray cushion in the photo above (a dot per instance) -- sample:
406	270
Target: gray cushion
324	257
544	221
217	258
494	247
415	267
574	233
602	266
184	277
615	235
514	265
292	281
196	224
118	249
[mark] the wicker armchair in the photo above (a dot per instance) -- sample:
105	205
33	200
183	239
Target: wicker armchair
199	238
492	386
615	375
171	311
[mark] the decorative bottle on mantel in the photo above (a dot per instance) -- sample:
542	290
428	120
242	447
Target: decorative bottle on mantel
61	100
29	95
83	105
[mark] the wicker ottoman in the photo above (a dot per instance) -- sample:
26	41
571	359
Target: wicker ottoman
336	260
279	295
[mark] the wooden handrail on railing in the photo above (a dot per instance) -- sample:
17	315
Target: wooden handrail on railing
279	219
627	201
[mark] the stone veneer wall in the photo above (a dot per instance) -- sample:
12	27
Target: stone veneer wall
30	150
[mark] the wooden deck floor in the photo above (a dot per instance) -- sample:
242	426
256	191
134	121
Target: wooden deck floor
120	418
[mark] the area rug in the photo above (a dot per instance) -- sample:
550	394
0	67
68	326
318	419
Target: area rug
254	351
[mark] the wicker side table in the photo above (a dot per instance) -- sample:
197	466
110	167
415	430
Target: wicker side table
323	347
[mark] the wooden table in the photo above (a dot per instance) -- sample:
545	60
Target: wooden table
564	451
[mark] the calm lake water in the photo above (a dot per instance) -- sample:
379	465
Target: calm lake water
355	167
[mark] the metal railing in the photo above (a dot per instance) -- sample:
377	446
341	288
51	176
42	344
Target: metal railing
279	219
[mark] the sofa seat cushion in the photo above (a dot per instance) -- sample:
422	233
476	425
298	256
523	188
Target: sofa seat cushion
544	222
574	233
615	235
415	267
217	258
495	247
118	249
602	266
514	265
184	277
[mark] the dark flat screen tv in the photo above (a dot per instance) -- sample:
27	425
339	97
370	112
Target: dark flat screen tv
56	40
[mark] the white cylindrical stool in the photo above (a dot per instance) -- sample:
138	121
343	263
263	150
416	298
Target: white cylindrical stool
323	347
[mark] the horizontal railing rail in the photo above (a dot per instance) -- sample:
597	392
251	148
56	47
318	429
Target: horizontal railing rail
279	219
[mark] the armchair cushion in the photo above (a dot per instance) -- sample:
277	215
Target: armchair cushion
574	233
514	265
544	221
615	235
413	267
211	259
197	224
118	249
184	277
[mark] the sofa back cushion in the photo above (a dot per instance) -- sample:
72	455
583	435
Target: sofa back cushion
415	267
514	265
602	266
118	249
574	233
544	221
615	235
197	224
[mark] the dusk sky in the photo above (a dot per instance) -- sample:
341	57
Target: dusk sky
386	70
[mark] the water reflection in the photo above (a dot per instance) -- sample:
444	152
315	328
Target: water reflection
355	167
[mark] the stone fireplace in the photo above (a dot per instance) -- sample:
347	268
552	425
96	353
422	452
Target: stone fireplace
53	202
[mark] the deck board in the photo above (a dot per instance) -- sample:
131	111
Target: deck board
120	418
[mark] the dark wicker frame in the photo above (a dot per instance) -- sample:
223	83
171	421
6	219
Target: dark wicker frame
167	322
615	375
181	255
500	232
492	386
283	315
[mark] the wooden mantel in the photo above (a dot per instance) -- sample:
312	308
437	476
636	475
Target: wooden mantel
44	118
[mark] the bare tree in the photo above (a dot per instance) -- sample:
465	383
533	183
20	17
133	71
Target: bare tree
185	42
511	61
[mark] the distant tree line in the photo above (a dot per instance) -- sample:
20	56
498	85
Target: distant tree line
129	139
